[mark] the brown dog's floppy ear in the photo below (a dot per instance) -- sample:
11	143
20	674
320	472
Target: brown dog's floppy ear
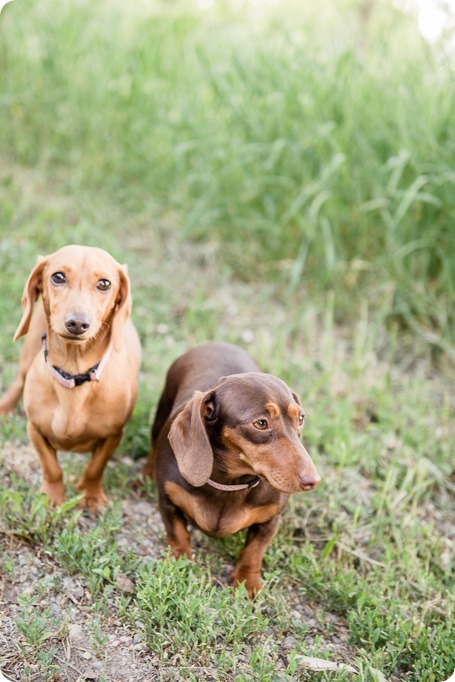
190	442
32	290
122	308
296	398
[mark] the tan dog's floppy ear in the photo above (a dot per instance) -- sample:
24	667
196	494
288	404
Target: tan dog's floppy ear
32	290
122	308
190	442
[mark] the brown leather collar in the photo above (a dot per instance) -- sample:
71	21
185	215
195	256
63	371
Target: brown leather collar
239	486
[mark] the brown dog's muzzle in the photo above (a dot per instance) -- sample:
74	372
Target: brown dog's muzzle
289	469
309	481
308	477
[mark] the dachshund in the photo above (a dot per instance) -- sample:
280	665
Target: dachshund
79	365
226	453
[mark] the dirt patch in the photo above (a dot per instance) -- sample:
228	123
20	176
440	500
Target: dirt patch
81	645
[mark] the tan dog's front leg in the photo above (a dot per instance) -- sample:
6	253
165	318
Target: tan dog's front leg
90	483
52	474
249	565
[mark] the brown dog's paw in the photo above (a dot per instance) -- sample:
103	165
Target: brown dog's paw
55	492
178	551
142	484
148	470
251	579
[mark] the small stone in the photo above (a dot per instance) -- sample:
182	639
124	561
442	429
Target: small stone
77	593
75	632
143	508
29	589
87	655
124	583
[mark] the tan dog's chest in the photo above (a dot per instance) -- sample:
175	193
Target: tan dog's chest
74	419
218	521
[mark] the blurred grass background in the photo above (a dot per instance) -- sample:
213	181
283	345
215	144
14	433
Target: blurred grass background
279	175
315	143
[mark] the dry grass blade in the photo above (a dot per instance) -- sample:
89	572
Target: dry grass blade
320	664
3	678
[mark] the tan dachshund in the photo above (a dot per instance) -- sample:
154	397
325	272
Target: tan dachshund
79	365
226	453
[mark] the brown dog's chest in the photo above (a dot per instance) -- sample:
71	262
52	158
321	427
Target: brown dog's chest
215	519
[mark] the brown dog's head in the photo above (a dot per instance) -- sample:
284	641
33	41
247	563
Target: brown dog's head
253	421
84	289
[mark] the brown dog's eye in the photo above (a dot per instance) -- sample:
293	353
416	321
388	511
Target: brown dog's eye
301	419
58	278
260	424
103	285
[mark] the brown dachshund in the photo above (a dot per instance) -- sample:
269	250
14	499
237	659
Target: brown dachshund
79	365
226	453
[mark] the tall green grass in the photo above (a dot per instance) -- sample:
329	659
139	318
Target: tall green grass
317	143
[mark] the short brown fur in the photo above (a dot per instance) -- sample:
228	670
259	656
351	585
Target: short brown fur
220	418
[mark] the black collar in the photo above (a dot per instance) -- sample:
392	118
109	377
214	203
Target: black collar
72	380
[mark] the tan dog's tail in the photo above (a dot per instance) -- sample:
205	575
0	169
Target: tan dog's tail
12	395
30	349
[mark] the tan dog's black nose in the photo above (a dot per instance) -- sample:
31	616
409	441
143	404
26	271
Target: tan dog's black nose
309	481
77	323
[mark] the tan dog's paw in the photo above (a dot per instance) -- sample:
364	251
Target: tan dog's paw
251	579
94	503
94	496
55	492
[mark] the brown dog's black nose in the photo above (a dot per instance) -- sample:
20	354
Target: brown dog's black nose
77	323
309	481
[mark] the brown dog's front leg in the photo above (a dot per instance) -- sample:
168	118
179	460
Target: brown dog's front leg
90	482
52	474
177	535
148	469
249	565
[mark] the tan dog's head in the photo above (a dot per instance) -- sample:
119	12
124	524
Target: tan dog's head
254	420
84	290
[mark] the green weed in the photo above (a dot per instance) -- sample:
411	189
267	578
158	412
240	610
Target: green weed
283	180
264	136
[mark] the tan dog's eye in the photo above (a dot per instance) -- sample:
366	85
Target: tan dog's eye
260	424
301	419
103	285
58	278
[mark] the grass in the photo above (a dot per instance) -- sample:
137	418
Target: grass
332	164
276	186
